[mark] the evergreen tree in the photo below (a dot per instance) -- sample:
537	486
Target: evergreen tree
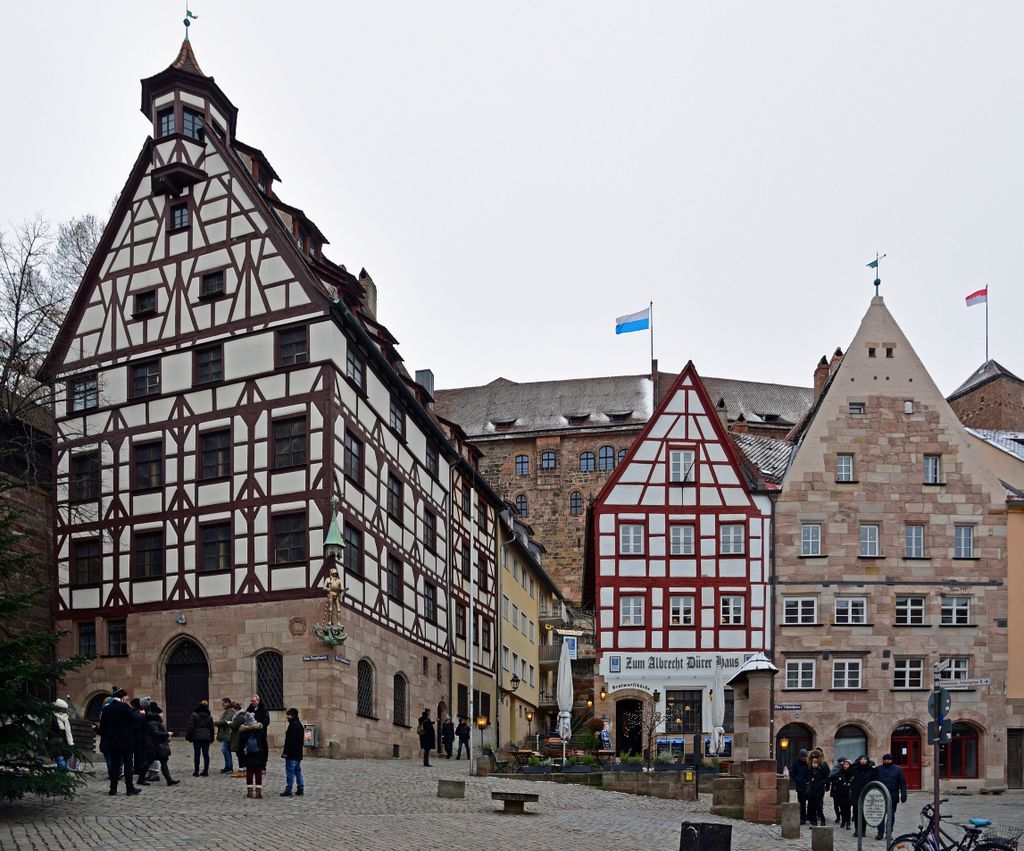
29	674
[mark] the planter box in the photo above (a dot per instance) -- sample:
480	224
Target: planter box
536	769
621	766
670	766
577	769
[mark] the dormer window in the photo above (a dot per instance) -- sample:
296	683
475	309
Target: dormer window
165	122
261	184
192	124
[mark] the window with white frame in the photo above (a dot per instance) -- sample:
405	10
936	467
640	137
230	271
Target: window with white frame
844	468
731	539
908	673
869	540
810	539
956	611
681	539
515	616
799	673
504	606
932	469
957	668
799	610
631	611
910	611
504	657
631	539
913	537
846	673
851	610
532	671
681	467
680	611
963	542
731	607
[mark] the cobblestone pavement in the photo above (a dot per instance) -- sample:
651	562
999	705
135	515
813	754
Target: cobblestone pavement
376	804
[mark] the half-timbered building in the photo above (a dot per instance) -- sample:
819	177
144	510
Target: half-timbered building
222	381
680	568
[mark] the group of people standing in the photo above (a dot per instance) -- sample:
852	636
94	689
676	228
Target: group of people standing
812	778
449	732
134	742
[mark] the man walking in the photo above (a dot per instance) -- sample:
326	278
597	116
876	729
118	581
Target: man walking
428	740
447	736
118	723
798	774
224	733
294	739
463	733
892	776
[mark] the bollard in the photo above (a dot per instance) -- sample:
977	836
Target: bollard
821	839
789	815
701	836
451	788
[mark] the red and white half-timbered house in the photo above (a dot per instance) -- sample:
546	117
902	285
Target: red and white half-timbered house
681	561
224	381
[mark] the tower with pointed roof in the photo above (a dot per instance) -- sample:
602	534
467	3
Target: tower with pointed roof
890	559
221	380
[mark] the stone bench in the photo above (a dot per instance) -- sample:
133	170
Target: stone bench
451	788
515	801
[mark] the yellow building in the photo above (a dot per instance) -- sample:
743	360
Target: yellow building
526	597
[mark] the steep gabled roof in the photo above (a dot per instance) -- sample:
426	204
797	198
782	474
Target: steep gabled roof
988	371
1011	442
769	455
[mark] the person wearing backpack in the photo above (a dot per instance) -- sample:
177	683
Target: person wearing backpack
425	730
253	742
294	740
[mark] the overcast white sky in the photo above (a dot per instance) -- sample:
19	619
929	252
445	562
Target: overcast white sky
514	176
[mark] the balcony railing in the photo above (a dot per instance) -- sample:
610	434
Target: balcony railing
546	698
549	653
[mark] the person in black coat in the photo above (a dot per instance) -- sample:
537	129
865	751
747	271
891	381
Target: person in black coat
294	740
817	785
199	731
159	740
118	723
428	740
141	752
863	773
798	776
252	739
839	783
892	776
258	710
447	736
463	733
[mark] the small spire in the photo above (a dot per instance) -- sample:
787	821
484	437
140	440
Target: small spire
186	60
878	275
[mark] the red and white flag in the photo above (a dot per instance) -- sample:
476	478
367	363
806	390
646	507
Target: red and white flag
979	297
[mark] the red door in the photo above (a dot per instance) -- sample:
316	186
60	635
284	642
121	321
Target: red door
906	751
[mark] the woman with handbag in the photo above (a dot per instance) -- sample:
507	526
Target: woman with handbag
253	741
159	740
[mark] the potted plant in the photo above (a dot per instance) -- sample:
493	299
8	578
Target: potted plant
537	765
578	765
667	762
708	766
629	763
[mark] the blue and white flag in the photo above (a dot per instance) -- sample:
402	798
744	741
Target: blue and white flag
639	321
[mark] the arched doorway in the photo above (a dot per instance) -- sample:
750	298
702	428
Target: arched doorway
959	759
187	682
442	714
95	706
906	753
795	737
851	741
629	740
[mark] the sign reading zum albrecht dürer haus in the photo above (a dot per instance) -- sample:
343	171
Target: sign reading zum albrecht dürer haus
700	667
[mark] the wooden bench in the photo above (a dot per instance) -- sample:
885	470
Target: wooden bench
515	801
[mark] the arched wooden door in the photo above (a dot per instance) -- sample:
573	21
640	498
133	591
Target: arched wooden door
629	738
906	752
795	737
442	714
187	682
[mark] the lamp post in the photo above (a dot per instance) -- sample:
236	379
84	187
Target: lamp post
604	693
481	723
529	723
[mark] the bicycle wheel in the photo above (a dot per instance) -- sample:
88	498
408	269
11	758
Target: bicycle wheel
909	842
994	846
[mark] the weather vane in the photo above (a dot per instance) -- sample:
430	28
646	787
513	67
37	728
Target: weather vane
187	22
878	275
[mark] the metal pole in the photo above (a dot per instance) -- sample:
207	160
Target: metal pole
986	323
472	620
939	719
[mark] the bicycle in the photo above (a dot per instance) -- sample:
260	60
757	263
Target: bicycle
979	835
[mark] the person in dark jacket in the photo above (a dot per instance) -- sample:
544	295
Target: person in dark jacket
199	731
839	785
224	733
448	736
428	740
253	740
238	740
863	773
159	740
294	739
892	776
142	756
798	776
118	723
463	732
259	711
817	785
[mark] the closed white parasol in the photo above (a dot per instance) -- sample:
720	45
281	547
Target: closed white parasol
564	694
717	712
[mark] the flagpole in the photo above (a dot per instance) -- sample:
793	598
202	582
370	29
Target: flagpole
987	288
654	378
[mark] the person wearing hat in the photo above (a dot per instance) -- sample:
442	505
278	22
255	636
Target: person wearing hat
839	784
63	738
798	775
118	723
891	775
253	741
294	739
863	773
159	740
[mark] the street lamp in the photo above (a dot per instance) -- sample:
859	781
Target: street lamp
529	722
784	743
481	723
604	692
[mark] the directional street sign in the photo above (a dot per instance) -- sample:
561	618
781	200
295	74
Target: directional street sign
943	666
939	703
971	683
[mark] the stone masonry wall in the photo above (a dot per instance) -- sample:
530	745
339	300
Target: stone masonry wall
999	404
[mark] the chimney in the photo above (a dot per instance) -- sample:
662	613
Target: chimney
837	358
369	300
655	394
425	378
723	413
740	426
820	376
